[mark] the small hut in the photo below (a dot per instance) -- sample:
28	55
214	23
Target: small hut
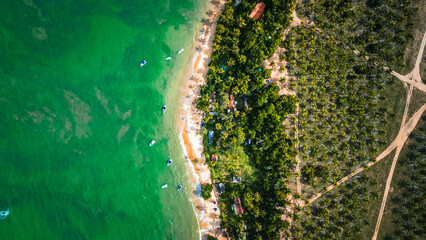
236	179
237	207
220	188
257	13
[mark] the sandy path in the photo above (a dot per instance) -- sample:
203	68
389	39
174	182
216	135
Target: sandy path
385	195
413	78
298	185
407	79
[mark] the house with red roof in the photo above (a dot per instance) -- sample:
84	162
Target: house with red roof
237	207
257	13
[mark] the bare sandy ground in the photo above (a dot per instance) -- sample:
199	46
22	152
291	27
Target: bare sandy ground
276	75
189	123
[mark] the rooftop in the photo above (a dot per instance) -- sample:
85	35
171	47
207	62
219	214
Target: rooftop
231	103
236	179
238	208
257	13
220	188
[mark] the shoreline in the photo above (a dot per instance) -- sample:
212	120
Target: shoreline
189	125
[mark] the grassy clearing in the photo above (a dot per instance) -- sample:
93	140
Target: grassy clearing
396	95
412	49
234	162
417	100
388	221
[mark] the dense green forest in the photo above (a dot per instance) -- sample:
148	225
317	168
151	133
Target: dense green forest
337	69
240	46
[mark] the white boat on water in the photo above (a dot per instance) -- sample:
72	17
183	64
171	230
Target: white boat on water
151	143
180	51
164	186
169	162
164	108
4	214
168	58
143	63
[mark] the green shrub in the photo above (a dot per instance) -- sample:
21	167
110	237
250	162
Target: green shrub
206	191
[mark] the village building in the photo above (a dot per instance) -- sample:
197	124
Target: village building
237	207
214	157
236	179
220	188
211	134
257	13
212	100
231	103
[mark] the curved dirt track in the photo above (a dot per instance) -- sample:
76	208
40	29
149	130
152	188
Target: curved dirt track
414	80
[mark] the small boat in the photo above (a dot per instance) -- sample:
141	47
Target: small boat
179	187
164	186
151	143
180	51
164	108
169	162
4	214
143	63
168	58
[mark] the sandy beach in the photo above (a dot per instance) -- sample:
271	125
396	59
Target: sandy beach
189	125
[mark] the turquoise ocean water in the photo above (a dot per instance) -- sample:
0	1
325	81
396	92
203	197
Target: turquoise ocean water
77	113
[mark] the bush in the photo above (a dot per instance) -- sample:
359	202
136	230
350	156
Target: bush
206	191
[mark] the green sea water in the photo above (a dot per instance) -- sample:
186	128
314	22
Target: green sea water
77	113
